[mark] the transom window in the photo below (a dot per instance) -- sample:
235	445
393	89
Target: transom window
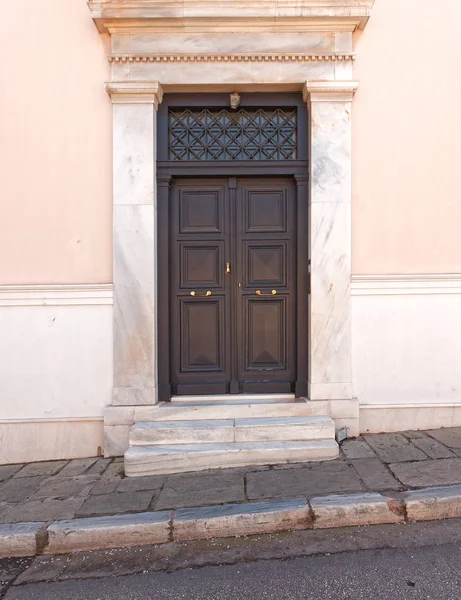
222	134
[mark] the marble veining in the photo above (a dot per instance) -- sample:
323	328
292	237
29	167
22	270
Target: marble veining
134	299
177	73
188	43
330	151
330	293
133	138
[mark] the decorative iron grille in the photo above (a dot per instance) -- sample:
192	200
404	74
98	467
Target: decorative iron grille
244	134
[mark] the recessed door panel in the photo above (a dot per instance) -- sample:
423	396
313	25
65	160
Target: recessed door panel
265	263
201	324
201	210
266	210
265	322
200	264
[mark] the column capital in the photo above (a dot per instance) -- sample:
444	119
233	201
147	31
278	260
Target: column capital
135	92
329	91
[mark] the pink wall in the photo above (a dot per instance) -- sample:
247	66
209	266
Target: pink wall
406	140
55	148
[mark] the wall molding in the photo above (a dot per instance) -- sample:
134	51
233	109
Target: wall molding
111	16
404	285
410	405
51	420
56	295
234	57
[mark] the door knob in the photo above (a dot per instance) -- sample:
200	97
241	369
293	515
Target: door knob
228	271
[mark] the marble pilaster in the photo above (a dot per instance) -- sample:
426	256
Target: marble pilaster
330	106
134	220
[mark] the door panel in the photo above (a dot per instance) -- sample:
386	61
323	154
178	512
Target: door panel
233	330
265	321
202	347
201	264
266	260
199	294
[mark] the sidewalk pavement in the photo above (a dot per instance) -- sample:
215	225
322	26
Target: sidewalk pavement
85	504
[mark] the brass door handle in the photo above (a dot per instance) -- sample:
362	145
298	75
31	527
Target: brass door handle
259	293
227	271
200	295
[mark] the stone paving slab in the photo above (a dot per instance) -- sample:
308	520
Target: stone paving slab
6	471
357	449
97	487
429	473
320	478
19	490
375	475
450	436
116	504
48	510
182	491
394	447
41	468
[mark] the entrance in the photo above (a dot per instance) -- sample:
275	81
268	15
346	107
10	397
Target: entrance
233	285
232	223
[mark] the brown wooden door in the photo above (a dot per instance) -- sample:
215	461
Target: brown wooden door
233	278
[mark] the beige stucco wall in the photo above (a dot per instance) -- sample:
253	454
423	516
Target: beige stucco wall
407	130
55	146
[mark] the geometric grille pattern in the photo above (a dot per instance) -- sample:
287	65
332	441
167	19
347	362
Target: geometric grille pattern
243	134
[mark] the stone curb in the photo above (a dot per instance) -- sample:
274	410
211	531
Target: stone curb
229	520
21	539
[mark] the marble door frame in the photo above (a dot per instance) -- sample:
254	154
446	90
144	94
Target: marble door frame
135	248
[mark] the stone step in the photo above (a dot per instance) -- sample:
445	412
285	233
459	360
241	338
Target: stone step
235	399
232	430
171	411
183	458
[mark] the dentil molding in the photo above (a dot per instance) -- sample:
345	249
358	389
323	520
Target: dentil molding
235	57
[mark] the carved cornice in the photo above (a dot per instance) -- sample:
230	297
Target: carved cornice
135	92
261	57
329	91
229	15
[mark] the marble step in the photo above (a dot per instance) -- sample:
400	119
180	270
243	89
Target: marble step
184	458
232	430
171	411
235	399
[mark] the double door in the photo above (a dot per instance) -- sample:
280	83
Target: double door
233	286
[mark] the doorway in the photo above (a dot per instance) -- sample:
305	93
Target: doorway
232	210
233	285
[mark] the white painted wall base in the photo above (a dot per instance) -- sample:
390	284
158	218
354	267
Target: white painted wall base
28	441
55	370
406	351
390	418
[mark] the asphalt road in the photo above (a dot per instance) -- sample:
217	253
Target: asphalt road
423	573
